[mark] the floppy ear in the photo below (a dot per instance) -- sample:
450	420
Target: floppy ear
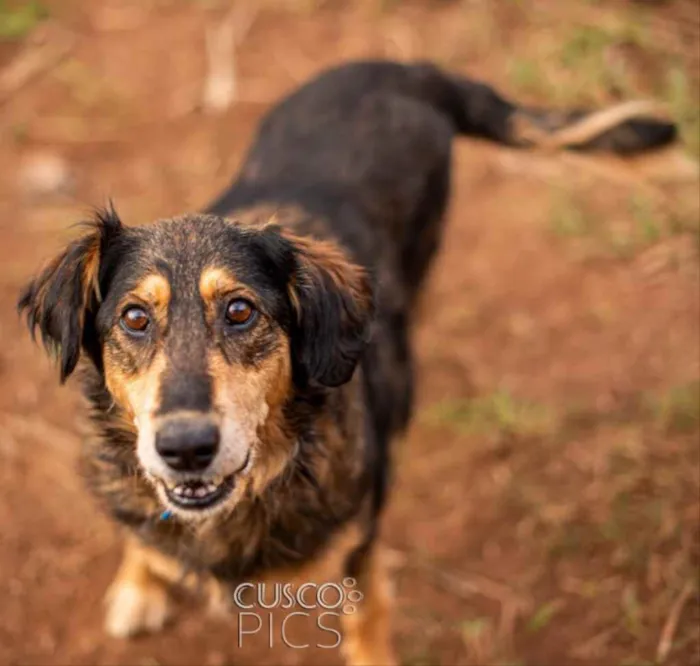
332	303
61	301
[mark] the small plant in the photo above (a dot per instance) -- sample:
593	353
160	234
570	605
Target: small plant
18	19
528	77
678	411
583	55
568	216
685	108
632	611
543	615
473	630
499	412
648	225
586	43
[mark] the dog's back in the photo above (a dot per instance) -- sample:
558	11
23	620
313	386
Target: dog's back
363	151
223	346
367	145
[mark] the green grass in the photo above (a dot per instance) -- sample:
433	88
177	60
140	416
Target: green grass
622	234
632	611
678	410
528	77
685	109
606	495
569	217
583	56
474	630
585	43
544	615
674	411
498	412
18	19
648	225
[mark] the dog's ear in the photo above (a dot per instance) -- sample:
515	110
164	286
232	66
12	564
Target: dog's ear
332	303
61	301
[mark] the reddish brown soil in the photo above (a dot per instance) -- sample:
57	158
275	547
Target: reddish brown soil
557	521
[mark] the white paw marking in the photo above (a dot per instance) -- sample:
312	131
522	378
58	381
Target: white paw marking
133	609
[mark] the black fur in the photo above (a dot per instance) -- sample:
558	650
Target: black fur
360	158
330	330
367	147
61	305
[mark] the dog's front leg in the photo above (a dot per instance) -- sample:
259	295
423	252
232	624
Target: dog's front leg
367	631
137	601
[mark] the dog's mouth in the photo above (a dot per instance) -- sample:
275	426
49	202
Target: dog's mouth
200	494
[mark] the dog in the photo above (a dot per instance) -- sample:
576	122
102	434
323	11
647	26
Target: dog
248	367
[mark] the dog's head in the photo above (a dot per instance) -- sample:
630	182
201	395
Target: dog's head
203	329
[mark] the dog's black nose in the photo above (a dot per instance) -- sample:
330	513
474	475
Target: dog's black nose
187	444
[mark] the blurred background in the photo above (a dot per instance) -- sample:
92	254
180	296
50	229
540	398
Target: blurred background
545	508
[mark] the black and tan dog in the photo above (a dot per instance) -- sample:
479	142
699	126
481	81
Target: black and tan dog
221	348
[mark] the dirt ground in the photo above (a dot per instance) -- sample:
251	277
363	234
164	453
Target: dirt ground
545	508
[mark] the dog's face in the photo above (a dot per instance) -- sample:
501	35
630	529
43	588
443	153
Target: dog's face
203	330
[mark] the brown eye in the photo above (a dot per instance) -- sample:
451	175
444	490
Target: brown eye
239	312
135	320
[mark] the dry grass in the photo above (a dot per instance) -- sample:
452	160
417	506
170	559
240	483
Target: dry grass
572	531
620	54
643	219
613	526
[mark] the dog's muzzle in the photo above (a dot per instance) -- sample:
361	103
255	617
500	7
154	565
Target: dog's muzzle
188	445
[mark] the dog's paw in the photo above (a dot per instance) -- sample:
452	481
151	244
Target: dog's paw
134	609
219	601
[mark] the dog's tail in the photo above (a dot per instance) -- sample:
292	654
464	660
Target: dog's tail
478	110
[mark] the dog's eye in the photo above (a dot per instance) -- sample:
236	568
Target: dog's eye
135	320
239	312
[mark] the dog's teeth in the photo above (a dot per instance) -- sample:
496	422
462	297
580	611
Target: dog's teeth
198	490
